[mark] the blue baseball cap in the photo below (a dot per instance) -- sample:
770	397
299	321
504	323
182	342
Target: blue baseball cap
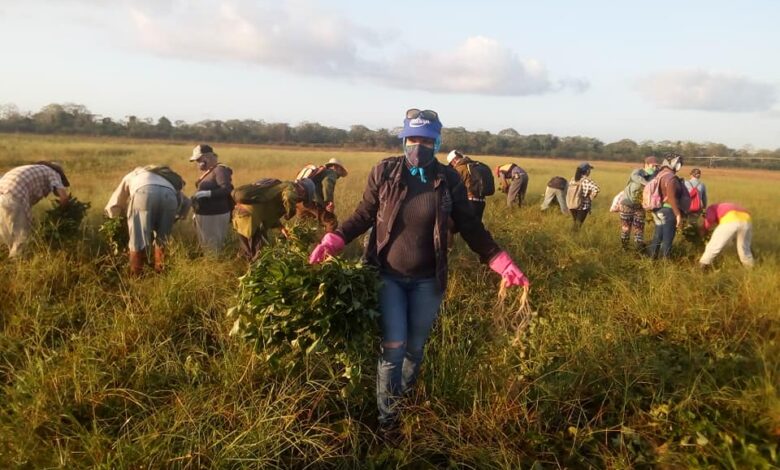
421	127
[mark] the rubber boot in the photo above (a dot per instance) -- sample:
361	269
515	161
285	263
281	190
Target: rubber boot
159	259
137	262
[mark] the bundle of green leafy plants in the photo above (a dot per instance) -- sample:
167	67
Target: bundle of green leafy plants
115	234
292	310
692	235
62	222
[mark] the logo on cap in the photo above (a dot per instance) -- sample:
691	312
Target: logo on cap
418	122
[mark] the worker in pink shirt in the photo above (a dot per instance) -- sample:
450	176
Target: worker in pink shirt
731	220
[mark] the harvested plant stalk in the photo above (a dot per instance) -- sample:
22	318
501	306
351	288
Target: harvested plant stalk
115	234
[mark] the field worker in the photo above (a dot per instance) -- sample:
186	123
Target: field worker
580	194
408	200
698	193
669	217
632	214
324	178
477	179
20	189
556	190
211	202
514	182
731	220
152	200
260	207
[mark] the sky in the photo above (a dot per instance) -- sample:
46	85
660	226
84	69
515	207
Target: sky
701	71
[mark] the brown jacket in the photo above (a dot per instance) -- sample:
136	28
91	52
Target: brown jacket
462	167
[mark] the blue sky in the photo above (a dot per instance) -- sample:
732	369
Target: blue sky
696	70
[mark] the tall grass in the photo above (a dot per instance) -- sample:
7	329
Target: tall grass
629	363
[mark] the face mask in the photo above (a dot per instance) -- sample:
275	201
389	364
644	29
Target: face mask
677	167
418	155
650	171
203	165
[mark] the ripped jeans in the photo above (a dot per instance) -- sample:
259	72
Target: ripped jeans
408	309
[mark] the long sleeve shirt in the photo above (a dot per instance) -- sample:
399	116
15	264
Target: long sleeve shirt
119	203
557	182
724	212
589	191
28	184
218	180
632	195
671	190
380	207
328	185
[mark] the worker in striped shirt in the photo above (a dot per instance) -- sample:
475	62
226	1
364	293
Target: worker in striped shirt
20	189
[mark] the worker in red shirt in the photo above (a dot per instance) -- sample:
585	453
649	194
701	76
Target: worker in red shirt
732	221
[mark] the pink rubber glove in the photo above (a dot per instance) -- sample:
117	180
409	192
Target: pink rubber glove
510	273
331	244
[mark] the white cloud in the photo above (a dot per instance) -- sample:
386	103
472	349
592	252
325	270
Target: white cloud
479	65
707	91
301	37
292	35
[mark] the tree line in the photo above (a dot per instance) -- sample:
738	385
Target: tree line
76	119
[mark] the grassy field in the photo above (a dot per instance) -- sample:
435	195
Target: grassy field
628	364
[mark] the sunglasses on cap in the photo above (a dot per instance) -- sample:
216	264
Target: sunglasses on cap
428	114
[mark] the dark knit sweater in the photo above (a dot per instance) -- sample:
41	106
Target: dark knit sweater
410	251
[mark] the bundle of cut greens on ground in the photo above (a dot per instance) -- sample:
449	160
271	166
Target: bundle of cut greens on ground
293	310
62	222
115	234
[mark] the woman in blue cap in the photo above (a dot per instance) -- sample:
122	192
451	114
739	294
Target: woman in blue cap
407	202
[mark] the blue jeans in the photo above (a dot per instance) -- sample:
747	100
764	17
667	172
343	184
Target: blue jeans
151	216
408	309
665	229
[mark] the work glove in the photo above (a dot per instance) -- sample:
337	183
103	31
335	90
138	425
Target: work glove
330	207
330	245
201	194
510	273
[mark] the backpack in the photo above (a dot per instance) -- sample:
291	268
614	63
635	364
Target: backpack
617	202
651	195
695	199
480	181
256	192
574	194
171	176
685	198
309	171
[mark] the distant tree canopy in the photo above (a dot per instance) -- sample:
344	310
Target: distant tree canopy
70	118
